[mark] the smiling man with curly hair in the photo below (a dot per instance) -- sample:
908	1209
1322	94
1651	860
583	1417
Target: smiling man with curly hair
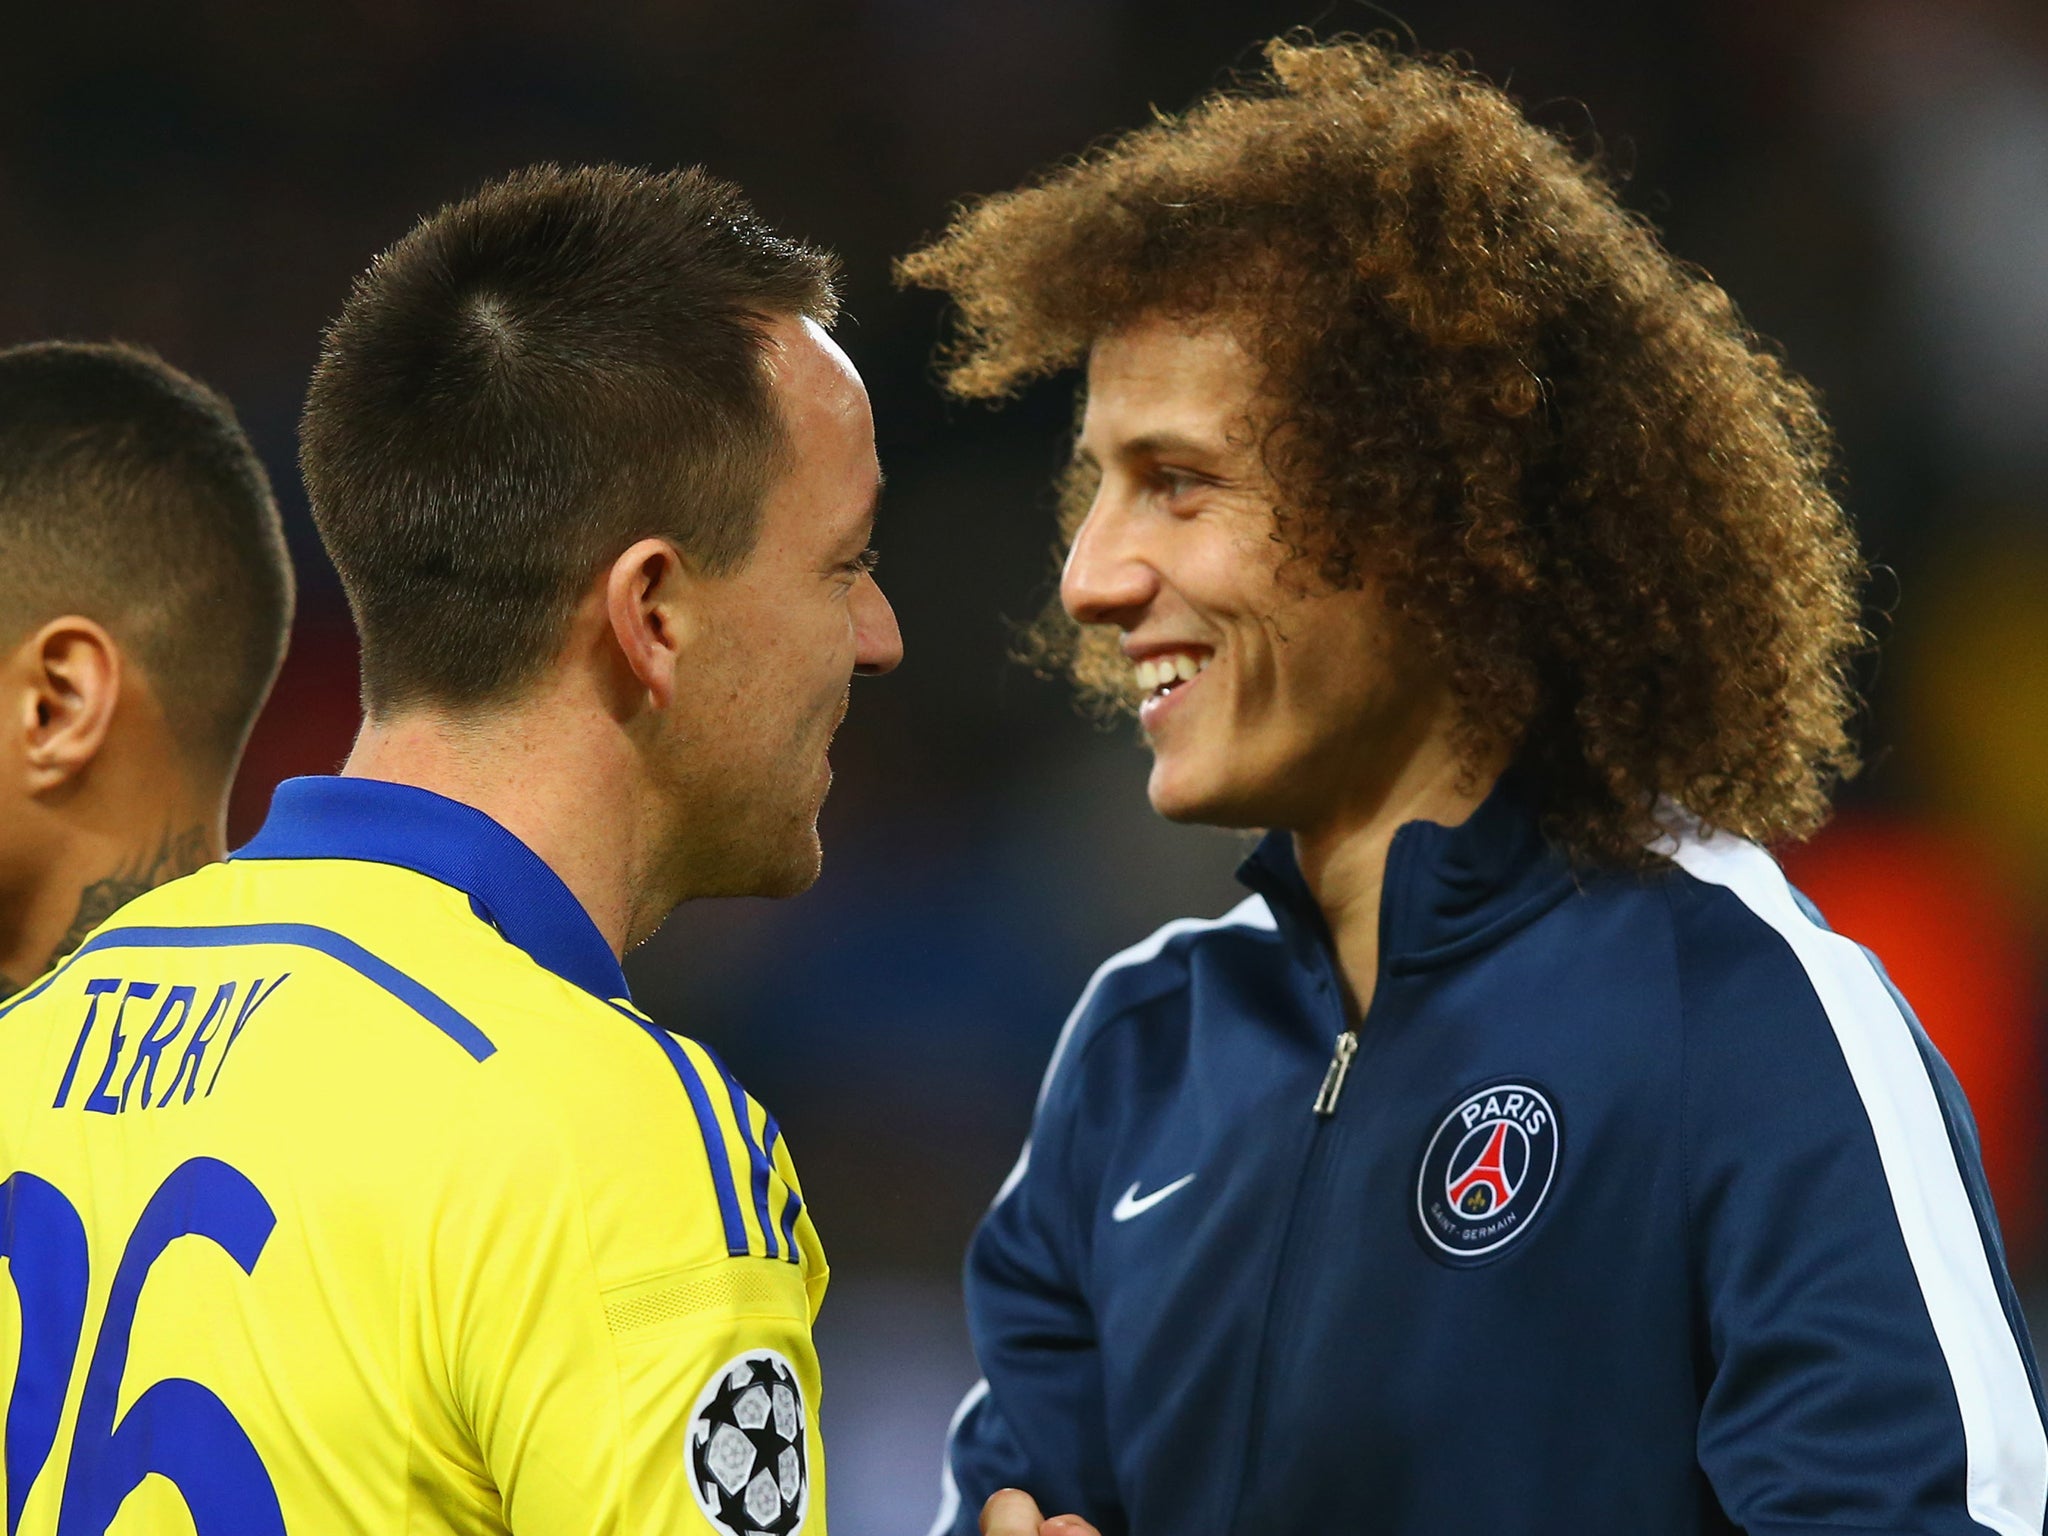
1524	1155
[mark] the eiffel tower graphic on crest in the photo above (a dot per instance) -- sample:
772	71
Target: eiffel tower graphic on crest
1484	1186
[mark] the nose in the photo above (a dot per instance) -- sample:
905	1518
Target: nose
1107	580
877	642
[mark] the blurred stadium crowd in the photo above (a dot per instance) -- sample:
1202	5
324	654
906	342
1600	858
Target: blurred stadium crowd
1868	178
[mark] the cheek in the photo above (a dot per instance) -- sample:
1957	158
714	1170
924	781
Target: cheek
776	678
1325	659
767	651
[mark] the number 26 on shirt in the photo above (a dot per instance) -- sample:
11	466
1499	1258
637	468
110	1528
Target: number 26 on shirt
176	1429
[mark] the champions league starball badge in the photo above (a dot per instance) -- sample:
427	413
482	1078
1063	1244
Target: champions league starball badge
746	1447
1485	1172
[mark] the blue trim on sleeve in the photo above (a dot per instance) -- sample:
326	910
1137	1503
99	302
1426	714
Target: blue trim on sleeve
756	1153
736	1243
427	1004
793	1207
509	885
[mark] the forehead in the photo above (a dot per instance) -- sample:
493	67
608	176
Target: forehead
1165	376
816	387
828	484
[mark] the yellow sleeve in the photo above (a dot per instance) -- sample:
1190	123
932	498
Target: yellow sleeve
681	1400
719	1364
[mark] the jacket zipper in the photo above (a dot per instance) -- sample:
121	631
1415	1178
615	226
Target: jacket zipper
1333	1078
1306	1192
1308	1188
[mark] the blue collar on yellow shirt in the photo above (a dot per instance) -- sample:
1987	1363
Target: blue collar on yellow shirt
509	885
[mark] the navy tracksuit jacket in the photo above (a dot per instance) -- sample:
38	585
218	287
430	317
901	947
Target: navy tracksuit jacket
1643	1207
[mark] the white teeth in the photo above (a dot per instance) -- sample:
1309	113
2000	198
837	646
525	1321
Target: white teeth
1155	673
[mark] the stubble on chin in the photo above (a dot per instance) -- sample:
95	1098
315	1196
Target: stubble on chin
741	833
798	876
747	859
788	864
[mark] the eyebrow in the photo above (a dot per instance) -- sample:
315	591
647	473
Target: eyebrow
1152	445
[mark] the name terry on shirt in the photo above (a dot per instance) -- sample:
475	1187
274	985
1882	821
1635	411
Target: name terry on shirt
146	1051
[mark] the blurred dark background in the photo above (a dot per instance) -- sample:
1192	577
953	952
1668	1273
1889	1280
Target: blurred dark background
1869	178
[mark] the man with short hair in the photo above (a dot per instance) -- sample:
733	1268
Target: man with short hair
145	600
480	1247
1524	1155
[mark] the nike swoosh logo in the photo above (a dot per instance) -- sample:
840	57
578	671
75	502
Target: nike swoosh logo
1130	1205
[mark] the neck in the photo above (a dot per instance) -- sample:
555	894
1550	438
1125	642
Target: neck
105	861
1343	857
558	791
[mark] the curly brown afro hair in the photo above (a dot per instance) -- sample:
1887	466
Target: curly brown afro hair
1594	493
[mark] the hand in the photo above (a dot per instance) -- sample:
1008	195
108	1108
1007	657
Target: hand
1012	1512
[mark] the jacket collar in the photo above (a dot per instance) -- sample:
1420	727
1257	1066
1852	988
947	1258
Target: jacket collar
508	884
1449	891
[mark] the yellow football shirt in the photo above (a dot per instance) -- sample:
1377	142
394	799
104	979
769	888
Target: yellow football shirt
345	1190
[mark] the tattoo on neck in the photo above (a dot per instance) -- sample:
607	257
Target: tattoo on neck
176	854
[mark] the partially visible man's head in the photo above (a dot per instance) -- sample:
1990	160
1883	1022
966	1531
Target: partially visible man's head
130	497
1547	461
610	393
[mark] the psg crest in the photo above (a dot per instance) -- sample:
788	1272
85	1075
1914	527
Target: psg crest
746	1447
1485	1172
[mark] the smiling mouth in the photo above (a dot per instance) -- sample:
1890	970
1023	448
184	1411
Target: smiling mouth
1157	676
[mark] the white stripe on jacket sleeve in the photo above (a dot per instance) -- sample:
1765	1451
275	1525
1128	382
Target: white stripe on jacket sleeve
949	1490
2005	1444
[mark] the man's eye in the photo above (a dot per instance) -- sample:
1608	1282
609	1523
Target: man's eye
864	563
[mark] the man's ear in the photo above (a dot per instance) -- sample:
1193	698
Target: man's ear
652	599
66	680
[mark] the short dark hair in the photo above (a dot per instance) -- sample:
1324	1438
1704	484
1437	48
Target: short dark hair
529	381
129	496
1602	501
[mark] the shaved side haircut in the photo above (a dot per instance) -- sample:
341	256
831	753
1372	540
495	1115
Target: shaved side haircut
527	383
130	496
